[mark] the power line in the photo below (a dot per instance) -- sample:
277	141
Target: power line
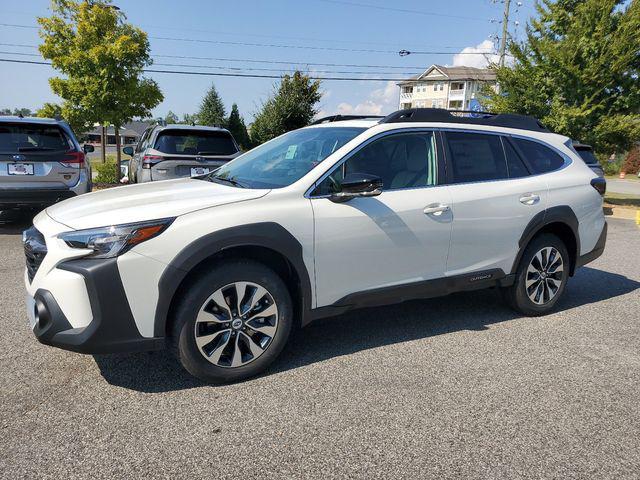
226	67
239	75
275	45
402	10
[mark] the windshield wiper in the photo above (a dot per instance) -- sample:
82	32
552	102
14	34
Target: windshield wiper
232	181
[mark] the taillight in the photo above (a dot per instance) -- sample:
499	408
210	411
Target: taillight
149	161
73	159
600	184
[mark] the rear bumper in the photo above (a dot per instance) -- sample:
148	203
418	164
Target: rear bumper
12	198
112	327
597	250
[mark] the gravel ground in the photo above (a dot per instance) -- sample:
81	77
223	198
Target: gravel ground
458	387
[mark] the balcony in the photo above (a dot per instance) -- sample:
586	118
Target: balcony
406	96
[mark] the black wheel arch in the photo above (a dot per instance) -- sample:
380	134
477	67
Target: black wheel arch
267	242
560	220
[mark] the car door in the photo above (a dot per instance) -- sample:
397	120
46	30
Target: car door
398	237
136	161
494	197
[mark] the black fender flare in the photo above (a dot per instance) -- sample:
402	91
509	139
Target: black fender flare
558	214
266	234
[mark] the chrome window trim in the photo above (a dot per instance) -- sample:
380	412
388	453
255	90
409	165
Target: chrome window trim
378	136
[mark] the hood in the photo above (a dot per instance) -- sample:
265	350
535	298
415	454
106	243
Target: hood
146	201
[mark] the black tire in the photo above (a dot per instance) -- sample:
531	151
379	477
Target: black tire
517	295
193	298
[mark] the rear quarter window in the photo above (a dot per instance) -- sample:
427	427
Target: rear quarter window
541	159
24	137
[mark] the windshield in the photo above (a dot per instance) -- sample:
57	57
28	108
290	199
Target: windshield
24	137
195	142
284	160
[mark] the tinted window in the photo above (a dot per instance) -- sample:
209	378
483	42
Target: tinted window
285	159
475	157
195	142
401	161
515	165
542	159
587	155
24	137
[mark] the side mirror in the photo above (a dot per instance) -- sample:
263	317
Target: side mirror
88	148
128	151
358	185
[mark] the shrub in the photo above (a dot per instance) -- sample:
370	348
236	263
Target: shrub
612	167
106	172
632	161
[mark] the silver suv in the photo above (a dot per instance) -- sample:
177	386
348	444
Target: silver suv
41	163
173	151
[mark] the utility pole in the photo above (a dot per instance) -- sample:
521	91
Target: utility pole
505	31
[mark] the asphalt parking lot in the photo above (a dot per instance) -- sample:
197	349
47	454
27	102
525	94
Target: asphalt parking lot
444	388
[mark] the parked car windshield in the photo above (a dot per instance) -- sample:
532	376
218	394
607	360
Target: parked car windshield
285	159
195	142
24	137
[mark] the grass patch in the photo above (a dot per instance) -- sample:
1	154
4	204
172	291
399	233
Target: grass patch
98	160
622	200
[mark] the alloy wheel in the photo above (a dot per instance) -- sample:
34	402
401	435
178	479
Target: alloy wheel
544	275
236	324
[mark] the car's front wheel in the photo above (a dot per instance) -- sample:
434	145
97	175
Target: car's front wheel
541	276
232	322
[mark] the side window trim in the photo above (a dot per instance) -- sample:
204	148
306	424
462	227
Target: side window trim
340	163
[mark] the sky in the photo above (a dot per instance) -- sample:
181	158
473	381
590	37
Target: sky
248	35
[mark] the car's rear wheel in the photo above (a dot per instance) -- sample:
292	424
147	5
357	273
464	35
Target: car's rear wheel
541	276
232	322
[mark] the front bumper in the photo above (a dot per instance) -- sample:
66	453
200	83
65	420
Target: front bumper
112	327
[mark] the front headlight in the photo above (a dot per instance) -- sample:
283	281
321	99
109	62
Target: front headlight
108	242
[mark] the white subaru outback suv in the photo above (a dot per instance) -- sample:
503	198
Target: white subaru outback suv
343	214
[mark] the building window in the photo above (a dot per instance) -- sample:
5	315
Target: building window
453	104
457	86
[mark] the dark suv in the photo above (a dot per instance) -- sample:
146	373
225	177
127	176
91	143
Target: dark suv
41	163
173	151
586	153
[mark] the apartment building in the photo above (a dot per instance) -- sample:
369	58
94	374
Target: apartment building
444	87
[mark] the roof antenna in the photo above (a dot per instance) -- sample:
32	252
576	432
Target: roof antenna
20	115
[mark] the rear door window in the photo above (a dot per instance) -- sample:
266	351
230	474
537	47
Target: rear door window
195	142
24	137
541	159
475	157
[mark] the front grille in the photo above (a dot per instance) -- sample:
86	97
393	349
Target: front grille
35	249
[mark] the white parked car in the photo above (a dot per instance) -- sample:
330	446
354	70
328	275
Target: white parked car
321	220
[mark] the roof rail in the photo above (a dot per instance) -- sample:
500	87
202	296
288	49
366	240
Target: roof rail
340	118
508	120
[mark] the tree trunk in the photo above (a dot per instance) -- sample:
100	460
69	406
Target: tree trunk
118	153
103	144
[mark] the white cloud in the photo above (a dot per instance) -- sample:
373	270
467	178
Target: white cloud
474	60
379	102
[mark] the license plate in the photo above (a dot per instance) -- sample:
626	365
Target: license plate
20	168
199	171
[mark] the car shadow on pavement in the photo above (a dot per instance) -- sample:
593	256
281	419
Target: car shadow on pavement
367	328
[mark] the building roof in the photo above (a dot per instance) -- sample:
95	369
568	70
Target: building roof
453	73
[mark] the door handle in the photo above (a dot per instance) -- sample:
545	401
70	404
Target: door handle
529	199
436	209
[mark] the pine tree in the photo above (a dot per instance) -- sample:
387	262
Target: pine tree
292	106
577	71
212	109
235	124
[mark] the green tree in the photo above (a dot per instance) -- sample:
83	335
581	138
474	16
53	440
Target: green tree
292	106
577	71
171	117
51	110
211	109
101	58
235	124
189	119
